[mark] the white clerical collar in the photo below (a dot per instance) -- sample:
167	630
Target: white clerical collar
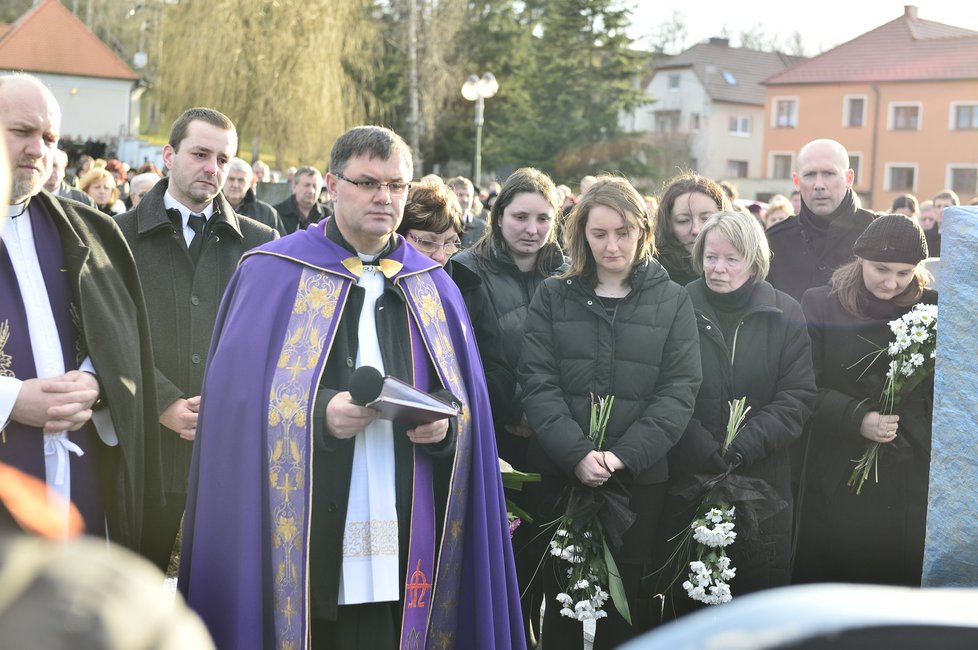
17	209
185	212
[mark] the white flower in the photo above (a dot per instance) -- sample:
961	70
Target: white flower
582	584
564	599
916	359
918	334
907	370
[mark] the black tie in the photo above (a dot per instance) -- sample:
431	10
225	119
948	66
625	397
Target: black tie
196	223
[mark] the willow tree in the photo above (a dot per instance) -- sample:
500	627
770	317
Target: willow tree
291	73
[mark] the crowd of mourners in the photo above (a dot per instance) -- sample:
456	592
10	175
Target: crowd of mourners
219	334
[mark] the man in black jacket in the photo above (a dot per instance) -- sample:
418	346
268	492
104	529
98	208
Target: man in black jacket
77	390
241	195
806	250
302	209
184	269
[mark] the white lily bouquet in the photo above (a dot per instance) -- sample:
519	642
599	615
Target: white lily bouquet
912	357
583	537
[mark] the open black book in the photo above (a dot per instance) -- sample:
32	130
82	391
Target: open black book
398	400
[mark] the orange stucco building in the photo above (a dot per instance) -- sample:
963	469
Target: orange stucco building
903	99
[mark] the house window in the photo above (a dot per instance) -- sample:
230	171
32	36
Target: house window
965	116
694	164
740	125
729	78
694	121
674	83
667	121
901	177
904	117
781	164
855	164
737	169
785	113
963	179
855	111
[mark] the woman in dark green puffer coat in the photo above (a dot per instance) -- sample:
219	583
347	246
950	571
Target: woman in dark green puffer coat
613	324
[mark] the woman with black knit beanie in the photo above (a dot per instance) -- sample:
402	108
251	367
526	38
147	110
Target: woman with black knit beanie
876	536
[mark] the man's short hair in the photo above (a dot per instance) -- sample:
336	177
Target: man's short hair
949	194
237	164
459	181
216	118
373	141
306	171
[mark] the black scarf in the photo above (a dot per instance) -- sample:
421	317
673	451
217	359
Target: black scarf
817	227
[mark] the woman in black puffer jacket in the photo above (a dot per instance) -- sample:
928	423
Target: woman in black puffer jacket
754	344
613	324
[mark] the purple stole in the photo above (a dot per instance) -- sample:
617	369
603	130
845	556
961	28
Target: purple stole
317	310
23	446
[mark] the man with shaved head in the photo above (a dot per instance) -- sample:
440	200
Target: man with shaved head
805	251
77	388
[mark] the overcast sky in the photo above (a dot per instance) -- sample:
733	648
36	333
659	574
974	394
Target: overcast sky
823	23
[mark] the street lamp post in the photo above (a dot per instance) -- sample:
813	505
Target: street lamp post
478	90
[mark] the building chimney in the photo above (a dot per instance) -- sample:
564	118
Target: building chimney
910	11
723	42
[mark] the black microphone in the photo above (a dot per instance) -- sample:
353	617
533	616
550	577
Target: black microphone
366	382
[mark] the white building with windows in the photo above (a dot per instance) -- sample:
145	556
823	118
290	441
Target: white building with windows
706	108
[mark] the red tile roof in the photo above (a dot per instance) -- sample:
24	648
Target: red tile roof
905	49
50	39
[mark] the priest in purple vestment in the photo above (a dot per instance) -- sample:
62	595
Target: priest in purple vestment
312	523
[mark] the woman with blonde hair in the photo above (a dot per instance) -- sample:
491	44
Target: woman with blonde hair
99	183
613	324
779	208
753	344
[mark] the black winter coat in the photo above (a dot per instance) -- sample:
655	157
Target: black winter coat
877	536
500	375
508	291
253	207
804	253
293	220
646	355
767	360
182	301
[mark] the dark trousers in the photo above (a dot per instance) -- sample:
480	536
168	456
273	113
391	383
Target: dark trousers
371	626
160	528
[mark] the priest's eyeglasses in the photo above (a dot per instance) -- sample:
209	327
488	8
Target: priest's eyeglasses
396	188
431	247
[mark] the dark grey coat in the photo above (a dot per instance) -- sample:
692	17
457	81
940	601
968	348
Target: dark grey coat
183	301
114	331
252	206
